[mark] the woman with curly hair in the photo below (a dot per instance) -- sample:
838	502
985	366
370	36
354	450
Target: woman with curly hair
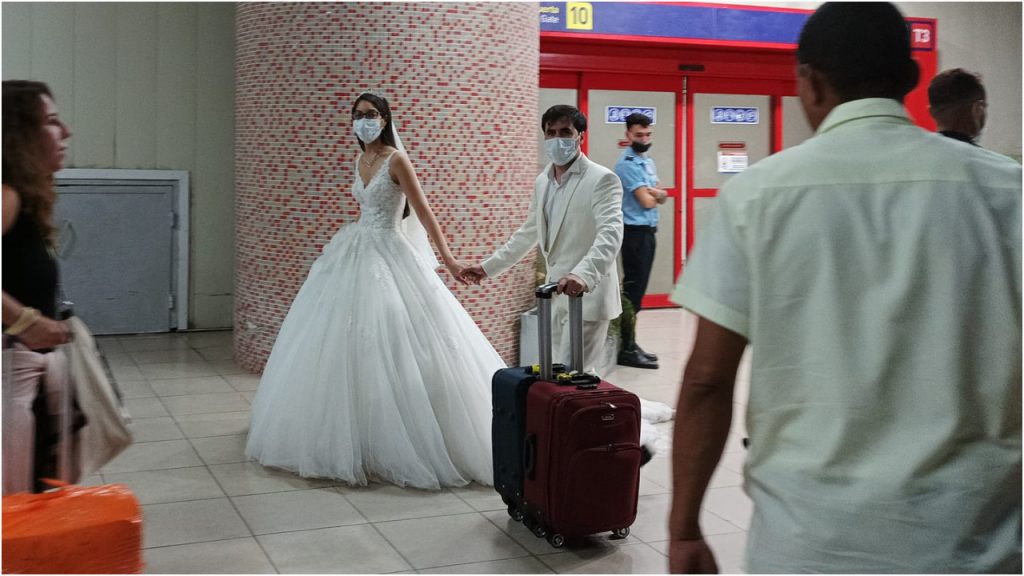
34	141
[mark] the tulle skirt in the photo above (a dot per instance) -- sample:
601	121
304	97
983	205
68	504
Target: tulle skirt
378	373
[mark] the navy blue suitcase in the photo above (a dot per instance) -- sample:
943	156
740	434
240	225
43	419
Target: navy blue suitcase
508	425
508	432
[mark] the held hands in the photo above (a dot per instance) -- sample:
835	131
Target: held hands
691	557
473	274
572	285
456	269
660	196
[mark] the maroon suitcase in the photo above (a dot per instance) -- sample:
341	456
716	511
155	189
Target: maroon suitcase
582	450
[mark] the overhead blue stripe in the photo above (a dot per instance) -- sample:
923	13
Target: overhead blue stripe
675	21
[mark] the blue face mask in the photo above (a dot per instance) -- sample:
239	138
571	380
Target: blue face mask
561	151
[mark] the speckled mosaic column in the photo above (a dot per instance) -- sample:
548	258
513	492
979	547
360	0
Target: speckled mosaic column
462	82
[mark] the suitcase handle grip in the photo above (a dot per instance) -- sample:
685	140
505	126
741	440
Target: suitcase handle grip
529	455
544	295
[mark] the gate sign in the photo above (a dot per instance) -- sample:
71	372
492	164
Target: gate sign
617	114
732	115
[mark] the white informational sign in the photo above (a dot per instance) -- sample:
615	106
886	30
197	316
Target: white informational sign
618	114
732	162
734	115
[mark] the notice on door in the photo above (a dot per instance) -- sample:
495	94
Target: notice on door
731	162
618	114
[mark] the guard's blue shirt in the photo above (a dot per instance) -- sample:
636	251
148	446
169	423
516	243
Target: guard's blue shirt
635	171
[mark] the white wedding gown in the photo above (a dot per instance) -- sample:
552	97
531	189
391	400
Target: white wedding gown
378	373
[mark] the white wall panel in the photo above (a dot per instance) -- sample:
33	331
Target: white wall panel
176	85
213	213
136	85
52	56
17	38
146	86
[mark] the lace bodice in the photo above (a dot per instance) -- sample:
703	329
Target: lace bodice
381	200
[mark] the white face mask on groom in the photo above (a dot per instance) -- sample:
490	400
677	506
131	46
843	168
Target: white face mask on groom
561	151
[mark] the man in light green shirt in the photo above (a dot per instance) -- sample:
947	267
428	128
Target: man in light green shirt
875	272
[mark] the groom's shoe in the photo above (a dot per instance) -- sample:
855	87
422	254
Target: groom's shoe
645	455
633	357
649	355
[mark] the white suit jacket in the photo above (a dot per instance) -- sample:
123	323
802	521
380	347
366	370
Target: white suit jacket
583	237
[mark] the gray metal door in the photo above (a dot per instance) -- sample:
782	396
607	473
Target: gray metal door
116	254
725	143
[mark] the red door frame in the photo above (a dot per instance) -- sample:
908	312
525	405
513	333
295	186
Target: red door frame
775	90
630	82
572	60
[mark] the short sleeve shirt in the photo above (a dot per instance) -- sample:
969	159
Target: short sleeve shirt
635	171
875	270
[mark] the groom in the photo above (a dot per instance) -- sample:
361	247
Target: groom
576	217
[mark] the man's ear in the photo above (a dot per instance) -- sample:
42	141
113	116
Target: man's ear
818	86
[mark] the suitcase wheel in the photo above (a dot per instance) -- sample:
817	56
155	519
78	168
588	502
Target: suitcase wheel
540	531
556	540
515	513
620	533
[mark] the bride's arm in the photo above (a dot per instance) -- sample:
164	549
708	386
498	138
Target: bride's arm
405	175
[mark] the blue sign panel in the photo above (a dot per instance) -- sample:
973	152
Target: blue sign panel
617	114
670	20
733	115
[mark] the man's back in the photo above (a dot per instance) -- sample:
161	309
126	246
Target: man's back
882	298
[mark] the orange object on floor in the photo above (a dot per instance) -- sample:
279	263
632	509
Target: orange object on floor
73	530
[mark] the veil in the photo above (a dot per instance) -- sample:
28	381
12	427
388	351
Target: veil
411	226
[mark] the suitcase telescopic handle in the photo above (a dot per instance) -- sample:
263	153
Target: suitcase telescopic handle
544	295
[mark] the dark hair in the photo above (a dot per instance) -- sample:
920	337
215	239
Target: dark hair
560	112
381	104
25	166
954	88
862	49
637	119
387	137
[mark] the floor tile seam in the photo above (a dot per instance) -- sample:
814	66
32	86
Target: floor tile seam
723	518
164	396
169	413
616	547
306	489
436	517
389	542
187	377
202	465
513	540
184	501
180	429
479	562
251	537
296	530
242	518
481	515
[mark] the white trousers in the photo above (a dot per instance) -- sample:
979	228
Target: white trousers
594	336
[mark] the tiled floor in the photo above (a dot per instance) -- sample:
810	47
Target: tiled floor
208	510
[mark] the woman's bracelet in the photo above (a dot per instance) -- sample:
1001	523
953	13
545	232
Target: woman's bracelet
26	319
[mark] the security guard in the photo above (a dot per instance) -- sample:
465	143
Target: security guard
640	199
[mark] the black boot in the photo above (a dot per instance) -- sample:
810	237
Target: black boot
633	357
649	355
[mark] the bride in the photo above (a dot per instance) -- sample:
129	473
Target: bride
378	373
